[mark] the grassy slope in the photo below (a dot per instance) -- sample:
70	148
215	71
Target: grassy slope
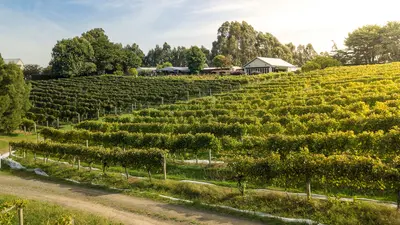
37	212
327	212
17	136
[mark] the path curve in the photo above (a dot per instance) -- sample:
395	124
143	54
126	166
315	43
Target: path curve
117	207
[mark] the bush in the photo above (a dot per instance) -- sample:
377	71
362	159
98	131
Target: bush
28	124
310	66
133	72
320	62
118	73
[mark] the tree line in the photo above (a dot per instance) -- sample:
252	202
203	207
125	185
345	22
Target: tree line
237	43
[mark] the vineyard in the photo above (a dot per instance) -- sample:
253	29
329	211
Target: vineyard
77	99
331	129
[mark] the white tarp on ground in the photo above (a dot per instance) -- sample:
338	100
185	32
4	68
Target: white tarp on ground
40	172
193	161
13	164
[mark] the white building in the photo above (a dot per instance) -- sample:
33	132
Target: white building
268	65
15	61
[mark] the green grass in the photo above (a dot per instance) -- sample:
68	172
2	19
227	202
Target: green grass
16	136
37	212
330	211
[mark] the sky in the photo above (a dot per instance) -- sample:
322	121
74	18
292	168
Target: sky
30	28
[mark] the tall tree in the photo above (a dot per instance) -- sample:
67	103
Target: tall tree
178	56
390	37
103	48
196	59
72	57
222	61
14	97
364	44
207	53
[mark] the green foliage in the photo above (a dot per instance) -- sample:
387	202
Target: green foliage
14	97
32	69
320	62
150	159
72	57
221	61
133	72
310	66
195	59
28	124
164	65
371	44
64	98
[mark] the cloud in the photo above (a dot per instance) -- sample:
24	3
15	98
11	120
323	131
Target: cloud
33	27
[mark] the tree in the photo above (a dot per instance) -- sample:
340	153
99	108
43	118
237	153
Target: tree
178	56
103	48
196	59
390	37
320	62
73	57
14	97
129	58
31	69
221	61
133	72
310	66
365	44
164	65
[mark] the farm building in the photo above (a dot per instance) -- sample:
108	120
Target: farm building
268	65
15	61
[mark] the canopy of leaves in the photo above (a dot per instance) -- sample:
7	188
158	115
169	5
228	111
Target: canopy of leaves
320	62
14	96
371	44
196	59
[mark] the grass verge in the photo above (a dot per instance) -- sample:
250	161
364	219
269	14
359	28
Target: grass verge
331	211
37	212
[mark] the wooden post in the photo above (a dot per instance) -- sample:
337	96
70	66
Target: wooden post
126	170
165	166
308	188
162	100
210	92
188	95
398	201
21	216
9	149
34	127
115	110
24	153
135	106
98	114
131	107
79	164
25	129
209	156
47	123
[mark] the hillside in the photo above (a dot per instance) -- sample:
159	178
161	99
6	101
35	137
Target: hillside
333	131
85	97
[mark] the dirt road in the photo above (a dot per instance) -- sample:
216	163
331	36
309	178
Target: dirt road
118	207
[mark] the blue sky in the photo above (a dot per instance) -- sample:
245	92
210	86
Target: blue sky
30	28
